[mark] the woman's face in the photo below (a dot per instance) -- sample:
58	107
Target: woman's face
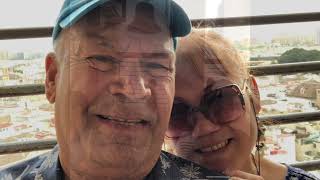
217	146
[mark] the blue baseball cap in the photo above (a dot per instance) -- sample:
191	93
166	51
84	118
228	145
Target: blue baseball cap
73	10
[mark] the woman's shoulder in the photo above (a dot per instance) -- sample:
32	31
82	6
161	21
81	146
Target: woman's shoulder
282	171
299	174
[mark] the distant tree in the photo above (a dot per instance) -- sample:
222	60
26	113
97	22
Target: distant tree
18	71
299	55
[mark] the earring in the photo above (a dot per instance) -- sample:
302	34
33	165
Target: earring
259	145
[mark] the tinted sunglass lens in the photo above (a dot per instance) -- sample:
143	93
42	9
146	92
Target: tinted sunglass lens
226	106
179	120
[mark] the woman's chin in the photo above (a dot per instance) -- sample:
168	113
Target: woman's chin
218	159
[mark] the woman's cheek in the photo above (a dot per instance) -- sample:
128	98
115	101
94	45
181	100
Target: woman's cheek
242	125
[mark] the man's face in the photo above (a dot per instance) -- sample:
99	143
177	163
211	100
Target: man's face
114	89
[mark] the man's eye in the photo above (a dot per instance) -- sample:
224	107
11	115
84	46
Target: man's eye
156	66
157	70
101	63
106	59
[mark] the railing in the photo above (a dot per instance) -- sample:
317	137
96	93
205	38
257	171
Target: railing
35	32
36	145
23	90
23	33
257	20
219	22
308	165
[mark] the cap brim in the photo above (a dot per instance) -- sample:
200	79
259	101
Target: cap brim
179	22
67	19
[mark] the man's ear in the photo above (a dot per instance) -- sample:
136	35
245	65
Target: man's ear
255	94
51	65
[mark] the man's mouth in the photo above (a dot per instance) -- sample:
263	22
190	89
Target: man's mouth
214	147
122	121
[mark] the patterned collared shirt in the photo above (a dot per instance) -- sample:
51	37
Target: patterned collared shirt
299	174
47	167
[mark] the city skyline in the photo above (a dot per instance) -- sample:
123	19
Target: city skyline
45	16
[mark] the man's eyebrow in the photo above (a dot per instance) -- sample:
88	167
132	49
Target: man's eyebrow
146	29
163	54
103	41
96	36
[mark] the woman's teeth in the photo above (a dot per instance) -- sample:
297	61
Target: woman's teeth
215	147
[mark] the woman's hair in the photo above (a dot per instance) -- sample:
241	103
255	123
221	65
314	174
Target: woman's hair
204	46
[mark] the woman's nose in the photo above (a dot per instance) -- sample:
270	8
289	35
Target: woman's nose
204	126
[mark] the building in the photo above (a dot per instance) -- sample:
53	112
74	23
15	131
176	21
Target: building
5	119
318	98
16	56
294	40
318	37
306	90
4	55
282	148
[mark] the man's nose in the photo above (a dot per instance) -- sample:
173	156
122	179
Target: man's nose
131	83
203	126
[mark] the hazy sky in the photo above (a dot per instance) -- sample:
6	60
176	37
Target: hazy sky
28	13
234	8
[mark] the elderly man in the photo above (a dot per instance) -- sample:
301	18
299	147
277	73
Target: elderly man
111	78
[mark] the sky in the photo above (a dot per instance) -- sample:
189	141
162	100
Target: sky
30	13
235	8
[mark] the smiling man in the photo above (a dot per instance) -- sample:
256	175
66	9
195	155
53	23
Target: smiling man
111	79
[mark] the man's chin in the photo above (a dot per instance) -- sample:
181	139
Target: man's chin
117	153
118	161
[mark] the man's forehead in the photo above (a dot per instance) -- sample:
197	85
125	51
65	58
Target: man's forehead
120	38
121	42
139	17
109	13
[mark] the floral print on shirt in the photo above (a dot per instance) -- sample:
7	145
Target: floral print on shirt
48	167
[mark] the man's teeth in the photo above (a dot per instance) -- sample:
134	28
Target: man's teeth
121	121
215	147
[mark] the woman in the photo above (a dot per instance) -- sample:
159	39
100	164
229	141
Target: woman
213	121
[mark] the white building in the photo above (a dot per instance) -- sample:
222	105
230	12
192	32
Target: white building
318	37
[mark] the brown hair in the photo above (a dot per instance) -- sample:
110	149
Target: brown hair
204	46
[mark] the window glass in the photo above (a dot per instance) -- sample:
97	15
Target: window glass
292	143
22	61
285	94
31	117
276	43
7	159
26	118
235	8
31	13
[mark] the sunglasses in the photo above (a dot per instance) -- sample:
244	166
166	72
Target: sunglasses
221	105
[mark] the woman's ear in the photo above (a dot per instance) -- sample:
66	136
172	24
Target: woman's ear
51	66
255	94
